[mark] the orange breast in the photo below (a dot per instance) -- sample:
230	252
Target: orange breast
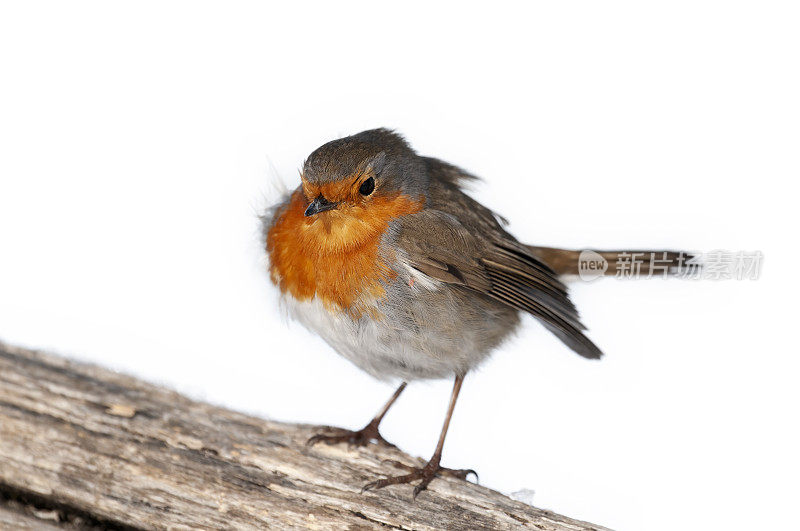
334	255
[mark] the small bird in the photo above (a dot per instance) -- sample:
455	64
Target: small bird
382	253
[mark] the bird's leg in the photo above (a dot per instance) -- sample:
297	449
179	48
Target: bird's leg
431	469
366	434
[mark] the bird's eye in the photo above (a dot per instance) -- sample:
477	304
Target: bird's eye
367	187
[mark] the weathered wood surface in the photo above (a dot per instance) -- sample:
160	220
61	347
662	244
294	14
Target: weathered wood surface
22	519
107	450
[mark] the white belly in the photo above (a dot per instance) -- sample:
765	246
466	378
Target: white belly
384	351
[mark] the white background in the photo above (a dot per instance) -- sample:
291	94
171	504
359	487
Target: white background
139	141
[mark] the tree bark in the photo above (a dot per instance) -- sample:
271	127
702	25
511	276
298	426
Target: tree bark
82	446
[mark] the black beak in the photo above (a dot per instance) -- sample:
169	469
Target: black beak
320	204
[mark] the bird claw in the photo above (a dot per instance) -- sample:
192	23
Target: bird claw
425	474
358	438
460	473
450	472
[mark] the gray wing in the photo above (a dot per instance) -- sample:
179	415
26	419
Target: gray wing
476	256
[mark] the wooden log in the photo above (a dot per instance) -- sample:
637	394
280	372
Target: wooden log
85	446
21	519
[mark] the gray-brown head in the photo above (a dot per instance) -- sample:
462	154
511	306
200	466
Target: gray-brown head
352	170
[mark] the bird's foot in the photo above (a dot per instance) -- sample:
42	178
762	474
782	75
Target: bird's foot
361	437
425	474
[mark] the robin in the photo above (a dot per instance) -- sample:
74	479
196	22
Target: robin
381	253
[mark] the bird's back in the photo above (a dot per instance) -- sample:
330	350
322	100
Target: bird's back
462	244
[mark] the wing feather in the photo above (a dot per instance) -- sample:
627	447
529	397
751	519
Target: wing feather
439	245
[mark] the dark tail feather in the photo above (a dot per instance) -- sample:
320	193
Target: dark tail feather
620	263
